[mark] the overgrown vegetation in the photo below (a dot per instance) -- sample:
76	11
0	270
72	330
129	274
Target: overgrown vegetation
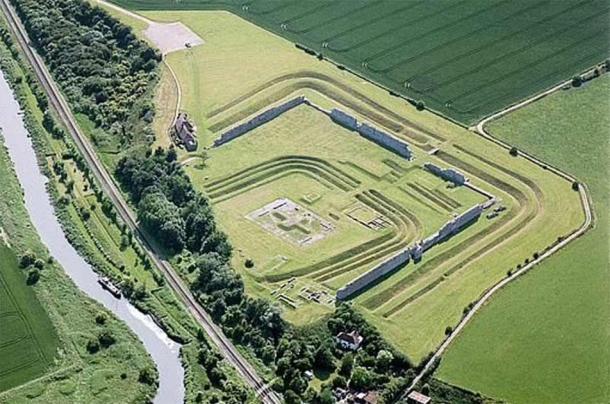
101	66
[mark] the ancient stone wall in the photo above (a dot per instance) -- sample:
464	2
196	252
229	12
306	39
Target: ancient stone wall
448	174
385	140
389	265
258	120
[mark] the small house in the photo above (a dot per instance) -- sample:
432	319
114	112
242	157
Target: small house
416	397
349	340
184	132
369	397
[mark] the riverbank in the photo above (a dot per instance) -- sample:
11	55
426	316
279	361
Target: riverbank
75	374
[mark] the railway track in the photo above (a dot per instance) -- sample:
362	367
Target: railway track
214	333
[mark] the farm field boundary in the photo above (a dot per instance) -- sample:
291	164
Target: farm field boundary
465	60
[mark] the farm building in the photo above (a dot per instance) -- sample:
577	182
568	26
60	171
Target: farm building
349	340
184	132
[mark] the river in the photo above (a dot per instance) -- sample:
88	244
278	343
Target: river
164	351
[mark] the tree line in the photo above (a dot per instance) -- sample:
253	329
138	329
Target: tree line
103	69
181	220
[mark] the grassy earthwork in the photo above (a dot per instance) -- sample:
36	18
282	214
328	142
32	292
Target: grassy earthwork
412	307
464	59
545	338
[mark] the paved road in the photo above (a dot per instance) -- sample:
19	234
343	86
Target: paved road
215	335
586	203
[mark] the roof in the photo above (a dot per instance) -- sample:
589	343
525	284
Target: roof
371	397
418	397
351	337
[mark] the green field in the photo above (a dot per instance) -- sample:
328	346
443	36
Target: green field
412	307
332	175
545	338
27	338
465	59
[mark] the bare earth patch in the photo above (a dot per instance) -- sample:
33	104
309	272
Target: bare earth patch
171	37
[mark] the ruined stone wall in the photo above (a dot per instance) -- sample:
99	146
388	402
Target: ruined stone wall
258	120
344	119
451	228
374	274
385	140
375	135
448	174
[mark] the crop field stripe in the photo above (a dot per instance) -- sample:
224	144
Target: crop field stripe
492	43
342	14
382	17
537	61
394	28
521	68
455	39
474	14
590	58
316	10
9	293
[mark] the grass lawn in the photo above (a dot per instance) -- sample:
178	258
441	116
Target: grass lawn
465	59
28	341
545	338
413	306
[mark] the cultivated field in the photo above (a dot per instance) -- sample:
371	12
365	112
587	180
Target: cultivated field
27	338
556	319
413	306
465	59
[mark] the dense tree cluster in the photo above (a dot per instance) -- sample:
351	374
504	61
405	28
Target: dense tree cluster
103	68
168	206
181	219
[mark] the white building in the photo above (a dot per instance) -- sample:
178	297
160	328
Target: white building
351	340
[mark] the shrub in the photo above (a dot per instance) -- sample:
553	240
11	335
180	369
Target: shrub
106	339
576	81
249	263
420	105
93	346
448	330
38	263
27	259
513	151
575	186
101	318
147	376
33	276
